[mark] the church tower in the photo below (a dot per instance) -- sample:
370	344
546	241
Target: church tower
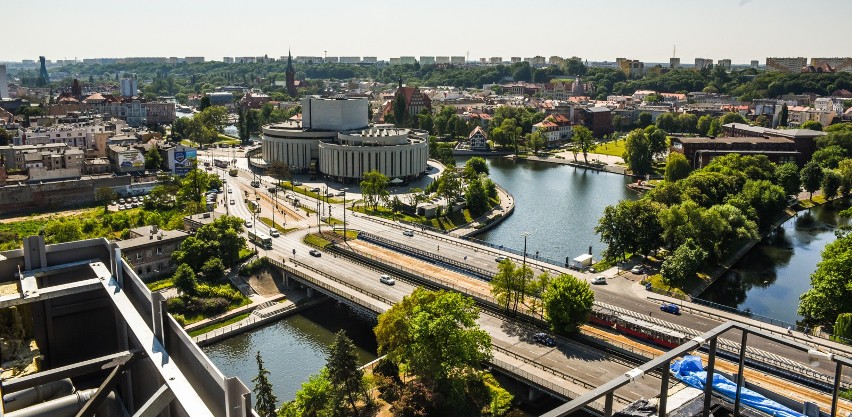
291	76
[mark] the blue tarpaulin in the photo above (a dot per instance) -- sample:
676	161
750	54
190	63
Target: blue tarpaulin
691	372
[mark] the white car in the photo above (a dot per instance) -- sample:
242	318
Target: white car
249	224
386	279
599	280
230	190
408	233
638	269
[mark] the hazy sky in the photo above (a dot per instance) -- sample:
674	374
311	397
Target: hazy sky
592	29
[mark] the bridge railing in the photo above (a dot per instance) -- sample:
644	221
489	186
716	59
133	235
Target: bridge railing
482	273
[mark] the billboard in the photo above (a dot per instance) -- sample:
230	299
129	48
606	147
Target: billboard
184	160
131	159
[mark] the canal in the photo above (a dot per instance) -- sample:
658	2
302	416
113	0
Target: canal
769	279
293	348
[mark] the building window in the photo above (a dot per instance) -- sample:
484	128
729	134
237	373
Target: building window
159	250
148	270
139	255
139	271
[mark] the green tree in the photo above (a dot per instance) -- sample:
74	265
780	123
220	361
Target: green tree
677	167
435	334
812	125
567	303
265	405
279	170
584	141
476	197
474	166
764	197
830	184
667	122
59	231
715	128
732	117
153	159
828	157
645	119
449	185
185	280
831	284
399	113
536	141
344	373
703	125
687	122
213	270
811	176
504	285
204	104
374	187
787	176
637	152
683	264
844	168
657	139
5	137
314	399
842	331
785	113
105	195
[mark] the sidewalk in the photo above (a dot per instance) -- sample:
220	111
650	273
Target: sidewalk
505	209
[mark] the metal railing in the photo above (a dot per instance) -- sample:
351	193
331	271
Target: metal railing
464	267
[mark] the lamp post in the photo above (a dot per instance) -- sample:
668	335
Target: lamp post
319	215
344	214
523	269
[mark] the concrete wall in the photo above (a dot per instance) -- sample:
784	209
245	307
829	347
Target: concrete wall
55	195
331	114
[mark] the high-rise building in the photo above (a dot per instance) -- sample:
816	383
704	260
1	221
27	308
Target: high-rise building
701	63
43	71
427	60
4	83
129	87
755	63
786	64
674	62
724	63
839	64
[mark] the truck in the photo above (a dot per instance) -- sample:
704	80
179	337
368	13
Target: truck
274	232
581	262
260	239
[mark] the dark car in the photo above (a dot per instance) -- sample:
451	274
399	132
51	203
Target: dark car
544	339
315	252
670	308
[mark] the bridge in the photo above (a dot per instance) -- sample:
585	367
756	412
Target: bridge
349	272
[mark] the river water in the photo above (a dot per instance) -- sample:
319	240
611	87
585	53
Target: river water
293	348
769	279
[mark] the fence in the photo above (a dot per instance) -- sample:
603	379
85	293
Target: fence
461	266
245	324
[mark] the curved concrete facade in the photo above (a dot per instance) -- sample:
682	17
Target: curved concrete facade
345	153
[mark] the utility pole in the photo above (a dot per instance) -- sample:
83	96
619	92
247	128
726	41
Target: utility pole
344	214
523	271
319	215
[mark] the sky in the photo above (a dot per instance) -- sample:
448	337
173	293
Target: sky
597	30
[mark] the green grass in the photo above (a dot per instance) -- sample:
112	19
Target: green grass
316	240
306	192
245	254
162	284
657	283
210	328
281	229
612	148
333	221
11	234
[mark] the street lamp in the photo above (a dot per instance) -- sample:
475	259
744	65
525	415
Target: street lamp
344	214
319	215
523	268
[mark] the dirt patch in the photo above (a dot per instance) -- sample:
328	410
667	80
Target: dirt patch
266	282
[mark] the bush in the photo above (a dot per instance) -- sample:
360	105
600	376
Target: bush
252	267
176	304
213	306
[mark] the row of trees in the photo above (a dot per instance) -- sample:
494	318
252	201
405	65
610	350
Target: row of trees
564	301
203	127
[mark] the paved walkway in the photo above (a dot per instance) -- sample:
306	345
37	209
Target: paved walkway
505	208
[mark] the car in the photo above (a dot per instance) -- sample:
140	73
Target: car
315	253
315	190
274	232
233	202
230	191
387	280
670	308
296	183
544	339
501	258
249	224
599	280
408	232
638	269
121	200
340	193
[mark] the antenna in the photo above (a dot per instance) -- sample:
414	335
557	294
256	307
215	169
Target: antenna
674	51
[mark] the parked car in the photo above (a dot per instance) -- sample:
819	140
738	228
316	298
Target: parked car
408	233
544	339
386	279
599	280
315	253
670	308
500	258
638	269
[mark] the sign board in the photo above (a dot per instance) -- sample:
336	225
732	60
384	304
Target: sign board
131	159
184	161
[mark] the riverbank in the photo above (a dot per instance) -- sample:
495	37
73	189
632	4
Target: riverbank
596	165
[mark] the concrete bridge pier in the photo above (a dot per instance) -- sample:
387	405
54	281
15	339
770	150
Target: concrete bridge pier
533	394
310	292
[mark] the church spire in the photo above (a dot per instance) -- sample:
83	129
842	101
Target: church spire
291	76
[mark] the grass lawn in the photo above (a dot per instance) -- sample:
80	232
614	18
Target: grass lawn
205	329
162	284
657	283
306	192
613	148
267	221
314	239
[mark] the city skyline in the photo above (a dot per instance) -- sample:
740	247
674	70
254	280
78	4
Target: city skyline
744	30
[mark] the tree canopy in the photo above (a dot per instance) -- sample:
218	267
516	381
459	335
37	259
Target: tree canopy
567	303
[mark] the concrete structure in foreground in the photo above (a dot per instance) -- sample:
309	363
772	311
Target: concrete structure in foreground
335	139
102	333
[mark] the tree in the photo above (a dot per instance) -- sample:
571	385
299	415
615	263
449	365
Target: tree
830	183
764	197
314	399
265	405
637	152
59	231
831	284
475	166
185	280
584	141
842	331
844	168
153	159
5	137
715	128
213	269
449	185
811	176
567	303
645	119
523	73
828	157
703	125
657	140
787	176
344	373
677	167
812	125
667	122
435	334
683	264
399	109
279	170
785	113
105	195
762	121
476	197
503	285
374	187
205	103
536	141
687	122
732	117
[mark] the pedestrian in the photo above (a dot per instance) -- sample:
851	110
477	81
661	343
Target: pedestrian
789	330
465	257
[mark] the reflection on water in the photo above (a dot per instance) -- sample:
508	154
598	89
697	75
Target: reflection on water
294	348
769	279
558	204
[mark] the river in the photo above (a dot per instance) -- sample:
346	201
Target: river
293	348
559	205
769	279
